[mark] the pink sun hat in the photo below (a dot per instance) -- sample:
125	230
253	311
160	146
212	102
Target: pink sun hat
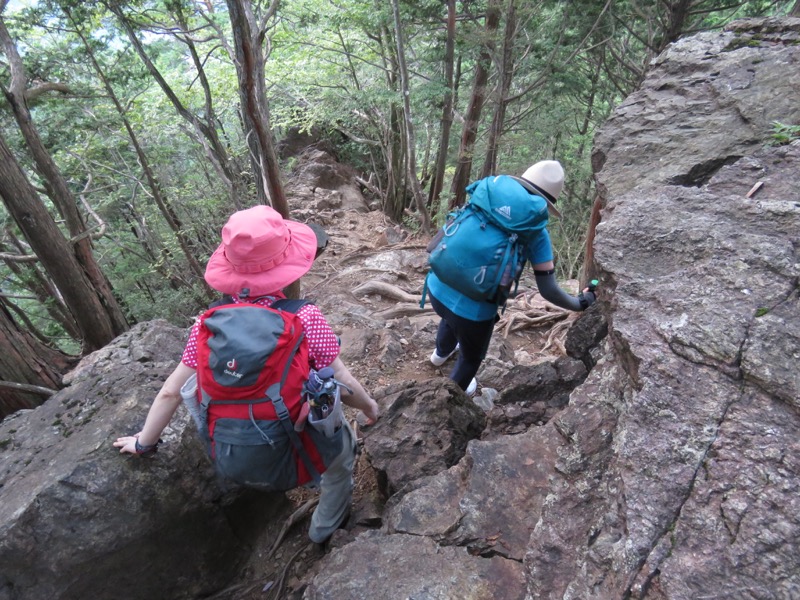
260	252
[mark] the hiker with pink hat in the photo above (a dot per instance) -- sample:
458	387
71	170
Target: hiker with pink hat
517	208
261	254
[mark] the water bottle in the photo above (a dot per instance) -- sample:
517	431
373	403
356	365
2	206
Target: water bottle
323	395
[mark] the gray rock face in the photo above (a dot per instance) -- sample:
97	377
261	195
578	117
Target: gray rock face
708	101
489	502
326	184
424	429
406	566
77	520
681	476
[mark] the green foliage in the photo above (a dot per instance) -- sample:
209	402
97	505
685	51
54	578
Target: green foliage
331	68
783	134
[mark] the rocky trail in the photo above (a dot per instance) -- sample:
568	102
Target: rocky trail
368	283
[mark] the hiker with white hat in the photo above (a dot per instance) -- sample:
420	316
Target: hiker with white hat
261	253
459	283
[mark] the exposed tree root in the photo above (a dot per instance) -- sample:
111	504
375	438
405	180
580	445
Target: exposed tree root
277	591
238	590
557	335
386	290
364	250
530	311
402	310
294	518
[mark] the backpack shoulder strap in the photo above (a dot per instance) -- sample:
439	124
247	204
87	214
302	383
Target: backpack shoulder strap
291	305
226	299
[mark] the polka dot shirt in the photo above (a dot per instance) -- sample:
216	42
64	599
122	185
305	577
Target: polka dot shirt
323	345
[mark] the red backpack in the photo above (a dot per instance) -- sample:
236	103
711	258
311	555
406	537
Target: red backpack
252	362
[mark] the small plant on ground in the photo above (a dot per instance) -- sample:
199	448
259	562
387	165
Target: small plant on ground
783	134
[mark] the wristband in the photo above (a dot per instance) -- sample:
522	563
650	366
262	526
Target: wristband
145	450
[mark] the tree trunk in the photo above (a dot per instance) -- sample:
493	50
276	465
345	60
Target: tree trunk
34	280
248	39
86	305
447	108
394	149
395	202
59	193
187	37
506	76
676	21
472	120
25	360
149	247
411	162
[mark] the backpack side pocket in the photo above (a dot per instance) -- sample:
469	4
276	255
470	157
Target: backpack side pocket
243	455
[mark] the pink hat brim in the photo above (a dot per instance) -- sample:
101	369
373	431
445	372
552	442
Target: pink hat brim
302	249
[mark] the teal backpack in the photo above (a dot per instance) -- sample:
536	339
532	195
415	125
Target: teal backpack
480	251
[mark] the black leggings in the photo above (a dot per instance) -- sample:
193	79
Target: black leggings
473	338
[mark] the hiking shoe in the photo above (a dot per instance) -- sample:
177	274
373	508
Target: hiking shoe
472	387
438	361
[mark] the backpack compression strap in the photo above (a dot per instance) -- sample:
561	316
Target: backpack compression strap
274	394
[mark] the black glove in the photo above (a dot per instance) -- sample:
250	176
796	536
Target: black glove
586	299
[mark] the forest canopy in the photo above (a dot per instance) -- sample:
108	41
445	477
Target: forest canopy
131	130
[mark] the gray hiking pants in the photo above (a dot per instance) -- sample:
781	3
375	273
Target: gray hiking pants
336	491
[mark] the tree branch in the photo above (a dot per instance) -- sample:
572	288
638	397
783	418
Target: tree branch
33	93
25	387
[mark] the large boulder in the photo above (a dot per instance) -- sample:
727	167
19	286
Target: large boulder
423	430
681	478
79	520
407	566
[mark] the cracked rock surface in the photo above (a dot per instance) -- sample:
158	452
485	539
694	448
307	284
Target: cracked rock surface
682	471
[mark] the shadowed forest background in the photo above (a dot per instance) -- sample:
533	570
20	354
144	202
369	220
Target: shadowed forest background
131	130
